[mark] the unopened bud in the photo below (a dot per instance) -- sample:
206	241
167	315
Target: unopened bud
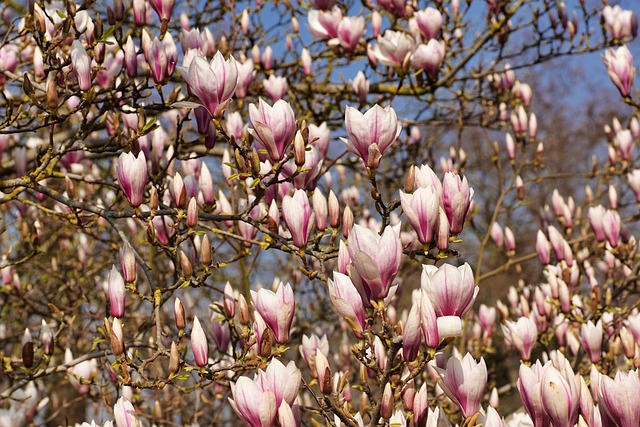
52	92
255	163
387	402
185	265
153	198
298	149
408	396
178	311
410	180
192	213
520	187
347	221
334	210
174	359
205	251
243	311
27	349
46	336
69	187
117	341
266	344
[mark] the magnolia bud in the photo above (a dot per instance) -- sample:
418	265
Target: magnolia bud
267	342
347	221
334	210
52	92
409	181
387	402
178	311
298	149
185	265
192	213
46	336
174	359
117	341
243	311
27	349
520	187
205	251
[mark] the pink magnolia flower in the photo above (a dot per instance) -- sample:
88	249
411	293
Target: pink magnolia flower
634	183
347	301
451	290
464	382
421	209
350	31
163	8
199	344
376	260
324	24
132	176
246	73
310	345
360	86
619	397
275	86
619	23
543	248
429	57
296	213
277	309
213	83
396	7
522	335
319	137
162	57
273	127
560	395
125	414
371	133
530	388
456	198
429	22
283	380
591	337
411	333
393	48
620	67
434	328
116	293
255	405
131	58
81	62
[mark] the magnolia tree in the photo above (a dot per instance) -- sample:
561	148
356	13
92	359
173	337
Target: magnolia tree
263	214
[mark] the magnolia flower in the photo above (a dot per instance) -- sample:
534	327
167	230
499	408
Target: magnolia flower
296	213
522	335
429	57
620	67
421	209
81	63
273	127
132	176
213	83
277	309
451	290
393	48
371	133
376	259
464	382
